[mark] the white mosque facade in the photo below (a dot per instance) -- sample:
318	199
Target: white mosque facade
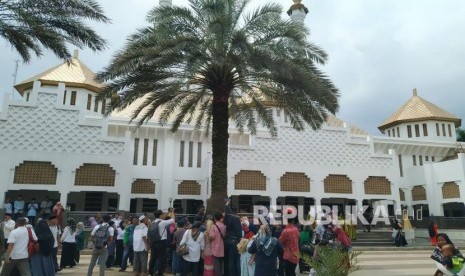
56	142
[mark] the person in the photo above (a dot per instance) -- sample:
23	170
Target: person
158	247
368	215
7	206
128	239
111	247
207	251
32	209
247	259
117	219
8	225
2	244
200	216
217	234
80	241
68	242
453	261
42	262
266	249
101	235
305	246
289	241
194	240
177	263
432	232
398	235
58	211
46	207
233	236
119	243
141	247
92	222
53	225
438	255
16	256
18	207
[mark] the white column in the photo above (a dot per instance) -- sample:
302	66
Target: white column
168	184
124	202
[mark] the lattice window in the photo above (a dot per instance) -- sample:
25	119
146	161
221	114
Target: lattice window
377	185
418	193
189	187
402	195
143	186
250	180
450	190
295	182
339	184
34	172
95	175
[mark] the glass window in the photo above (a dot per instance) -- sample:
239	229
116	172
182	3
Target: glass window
64	97
417	131
191	154
409	131
154	152
73	98
389	132
146	150
136	151
437	130
181	155
89	101
414	158
95	104
420	159
398	132
449	128
443	130
199	154
425	130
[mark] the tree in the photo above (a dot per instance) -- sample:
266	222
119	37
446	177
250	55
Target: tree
214	61
460	134
30	25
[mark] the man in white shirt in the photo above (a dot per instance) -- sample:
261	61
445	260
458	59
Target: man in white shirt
46	207
141	248
7	206
117	219
17	255
52	222
18	207
158	254
100	254
8	225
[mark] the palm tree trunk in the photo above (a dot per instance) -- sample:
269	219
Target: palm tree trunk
220	137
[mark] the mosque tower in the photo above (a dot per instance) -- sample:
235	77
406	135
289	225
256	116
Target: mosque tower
297	11
165	3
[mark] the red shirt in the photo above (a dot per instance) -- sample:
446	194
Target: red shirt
289	240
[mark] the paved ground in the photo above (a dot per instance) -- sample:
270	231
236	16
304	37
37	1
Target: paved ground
379	263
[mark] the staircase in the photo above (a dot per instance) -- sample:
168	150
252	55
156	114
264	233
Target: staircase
375	238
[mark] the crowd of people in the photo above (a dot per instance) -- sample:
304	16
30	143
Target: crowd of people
166	241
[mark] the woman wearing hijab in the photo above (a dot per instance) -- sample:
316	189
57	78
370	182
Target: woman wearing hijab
437	255
68	240
42	262
432	232
80	241
266	249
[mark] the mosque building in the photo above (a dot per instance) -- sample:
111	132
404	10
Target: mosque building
56	141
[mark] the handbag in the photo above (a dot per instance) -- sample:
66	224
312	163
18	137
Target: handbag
182	250
31	245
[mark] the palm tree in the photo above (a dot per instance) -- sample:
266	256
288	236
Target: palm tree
29	25
213	61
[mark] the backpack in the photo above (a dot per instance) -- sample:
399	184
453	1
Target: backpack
101	236
153	234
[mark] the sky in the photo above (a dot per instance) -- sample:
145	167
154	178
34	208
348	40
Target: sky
379	50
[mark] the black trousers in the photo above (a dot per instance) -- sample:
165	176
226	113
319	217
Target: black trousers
157	257
289	268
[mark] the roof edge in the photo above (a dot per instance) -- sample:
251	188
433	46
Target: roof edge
457	121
